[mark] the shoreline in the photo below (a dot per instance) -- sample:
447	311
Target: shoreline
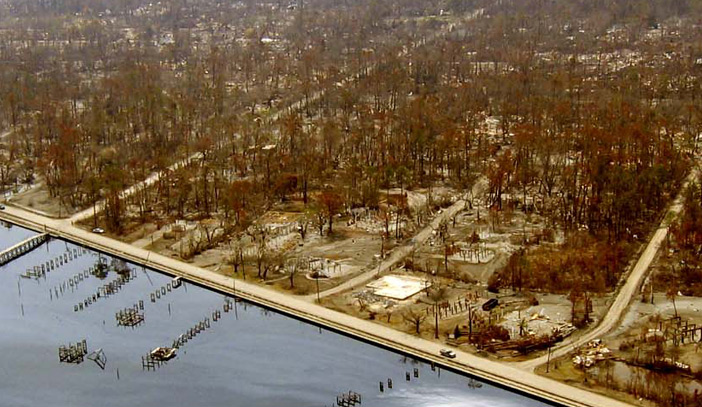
501	375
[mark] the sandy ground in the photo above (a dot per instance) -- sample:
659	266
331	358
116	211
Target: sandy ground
348	246
641	318
498	241
36	199
688	308
504	374
354	250
358	251
359	302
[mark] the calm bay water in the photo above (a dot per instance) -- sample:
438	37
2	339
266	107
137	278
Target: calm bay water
11	235
250	357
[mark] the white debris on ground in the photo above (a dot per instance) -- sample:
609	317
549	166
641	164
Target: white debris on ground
678	365
538	323
398	287
591	353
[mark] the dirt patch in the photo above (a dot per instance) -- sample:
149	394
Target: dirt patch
37	199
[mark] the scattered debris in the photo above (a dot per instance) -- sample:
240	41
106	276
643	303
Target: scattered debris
99	358
348	399
592	353
163	354
73	353
130	316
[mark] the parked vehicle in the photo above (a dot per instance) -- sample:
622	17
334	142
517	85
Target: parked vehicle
490	304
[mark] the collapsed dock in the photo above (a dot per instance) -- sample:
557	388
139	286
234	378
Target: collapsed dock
22	248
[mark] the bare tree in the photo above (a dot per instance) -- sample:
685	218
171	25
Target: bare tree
414	317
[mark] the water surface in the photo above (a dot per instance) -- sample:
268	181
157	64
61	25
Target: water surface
10	235
250	357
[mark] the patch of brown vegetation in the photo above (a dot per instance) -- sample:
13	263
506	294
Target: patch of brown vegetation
583	261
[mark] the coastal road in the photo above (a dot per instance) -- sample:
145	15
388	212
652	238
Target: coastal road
626	292
495	372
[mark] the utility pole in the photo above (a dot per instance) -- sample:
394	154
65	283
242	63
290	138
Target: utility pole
436	321
548	358
95	217
316	279
470	322
234	284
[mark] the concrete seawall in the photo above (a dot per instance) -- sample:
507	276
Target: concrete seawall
499	374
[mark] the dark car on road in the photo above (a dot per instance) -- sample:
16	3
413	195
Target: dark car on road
490	304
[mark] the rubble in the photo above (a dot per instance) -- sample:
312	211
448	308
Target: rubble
593	352
368	296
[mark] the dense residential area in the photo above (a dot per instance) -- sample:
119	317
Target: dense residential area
515	179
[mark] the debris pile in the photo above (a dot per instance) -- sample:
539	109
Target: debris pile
592	353
368	296
73	353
